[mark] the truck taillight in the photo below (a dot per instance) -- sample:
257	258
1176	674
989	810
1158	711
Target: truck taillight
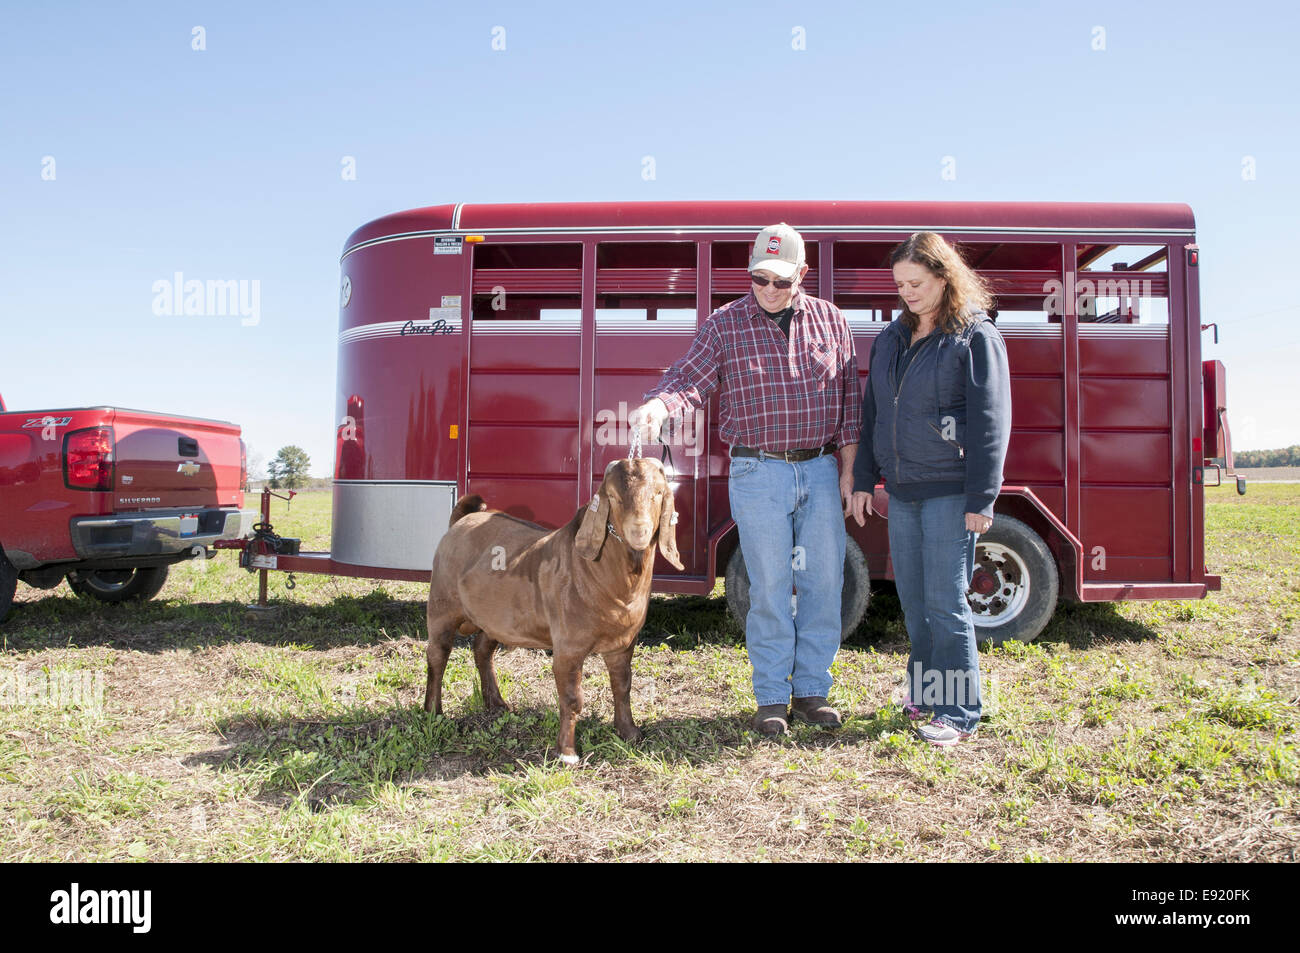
88	459
243	467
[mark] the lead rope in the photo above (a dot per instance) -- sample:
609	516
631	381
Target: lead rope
634	444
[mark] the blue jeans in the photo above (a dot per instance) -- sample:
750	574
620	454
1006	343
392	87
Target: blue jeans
791	526
934	555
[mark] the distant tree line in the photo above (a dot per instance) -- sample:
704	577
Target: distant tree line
1289	457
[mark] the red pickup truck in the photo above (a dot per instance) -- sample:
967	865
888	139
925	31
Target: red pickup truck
109	498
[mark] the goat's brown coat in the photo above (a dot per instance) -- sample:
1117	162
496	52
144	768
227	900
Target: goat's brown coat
576	590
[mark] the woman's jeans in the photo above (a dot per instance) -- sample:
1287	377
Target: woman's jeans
791	524
933	555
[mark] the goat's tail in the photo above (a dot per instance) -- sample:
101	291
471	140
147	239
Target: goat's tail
468	504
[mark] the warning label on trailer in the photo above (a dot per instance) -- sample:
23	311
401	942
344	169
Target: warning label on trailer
446	244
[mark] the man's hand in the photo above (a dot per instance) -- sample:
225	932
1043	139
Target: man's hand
975	523
846	490
861	507
648	418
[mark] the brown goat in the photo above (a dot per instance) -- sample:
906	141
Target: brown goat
574	590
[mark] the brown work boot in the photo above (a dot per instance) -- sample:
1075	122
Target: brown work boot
770	720
815	710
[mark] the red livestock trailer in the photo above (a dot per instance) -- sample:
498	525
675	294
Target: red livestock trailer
496	349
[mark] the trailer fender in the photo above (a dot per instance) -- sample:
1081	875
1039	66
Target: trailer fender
1022	503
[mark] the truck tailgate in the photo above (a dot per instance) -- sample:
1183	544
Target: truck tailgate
163	461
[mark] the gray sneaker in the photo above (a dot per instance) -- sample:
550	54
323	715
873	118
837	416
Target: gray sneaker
943	735
770	720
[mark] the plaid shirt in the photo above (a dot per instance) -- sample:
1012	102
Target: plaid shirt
777	394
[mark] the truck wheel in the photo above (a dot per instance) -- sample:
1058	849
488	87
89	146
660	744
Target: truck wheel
118	585
1014	587
8	583
853	600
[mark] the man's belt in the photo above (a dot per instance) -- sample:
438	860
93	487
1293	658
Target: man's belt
789	456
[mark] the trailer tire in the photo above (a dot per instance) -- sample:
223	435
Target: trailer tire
118	585
8	584
854	597
1014	585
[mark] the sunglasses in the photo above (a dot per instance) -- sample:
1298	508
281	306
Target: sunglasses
782	284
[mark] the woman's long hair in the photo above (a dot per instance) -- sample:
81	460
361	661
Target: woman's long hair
966	293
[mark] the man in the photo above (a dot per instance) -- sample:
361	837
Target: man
788	379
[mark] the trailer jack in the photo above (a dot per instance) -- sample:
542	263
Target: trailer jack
258	553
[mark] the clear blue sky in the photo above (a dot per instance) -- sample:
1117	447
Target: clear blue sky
225	163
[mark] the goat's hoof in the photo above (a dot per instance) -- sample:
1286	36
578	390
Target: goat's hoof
631	735
570	759
496	711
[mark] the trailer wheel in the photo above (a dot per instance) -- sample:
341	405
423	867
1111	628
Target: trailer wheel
118	585
1014	586
853	600
8	584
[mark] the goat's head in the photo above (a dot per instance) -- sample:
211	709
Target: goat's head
636	499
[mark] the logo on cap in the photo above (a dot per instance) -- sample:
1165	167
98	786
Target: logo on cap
774	246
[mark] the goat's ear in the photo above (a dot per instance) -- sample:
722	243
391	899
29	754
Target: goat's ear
668	529
591	534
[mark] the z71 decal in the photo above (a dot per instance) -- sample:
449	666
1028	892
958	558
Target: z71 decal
46	422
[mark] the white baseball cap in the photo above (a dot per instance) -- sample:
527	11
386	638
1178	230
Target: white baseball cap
778	249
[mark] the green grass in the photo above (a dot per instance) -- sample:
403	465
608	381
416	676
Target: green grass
1141	731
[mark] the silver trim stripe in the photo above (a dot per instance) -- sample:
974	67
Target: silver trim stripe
751	230
638	325
449	483
1124	330
526	327
391	329
1117	331
386	329
1027	329
803	229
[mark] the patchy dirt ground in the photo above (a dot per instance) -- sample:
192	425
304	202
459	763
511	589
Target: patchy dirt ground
1160	731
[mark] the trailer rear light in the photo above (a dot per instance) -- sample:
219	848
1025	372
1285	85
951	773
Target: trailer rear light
243	466
88	459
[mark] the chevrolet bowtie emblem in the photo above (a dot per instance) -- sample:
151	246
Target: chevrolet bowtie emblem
188	467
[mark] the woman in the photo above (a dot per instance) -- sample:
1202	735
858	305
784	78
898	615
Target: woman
936	419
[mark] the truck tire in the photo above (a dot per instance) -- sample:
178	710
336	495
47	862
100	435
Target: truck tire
8	584
118	585
853	600
1014	585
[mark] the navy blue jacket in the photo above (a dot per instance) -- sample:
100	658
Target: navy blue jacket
947	420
